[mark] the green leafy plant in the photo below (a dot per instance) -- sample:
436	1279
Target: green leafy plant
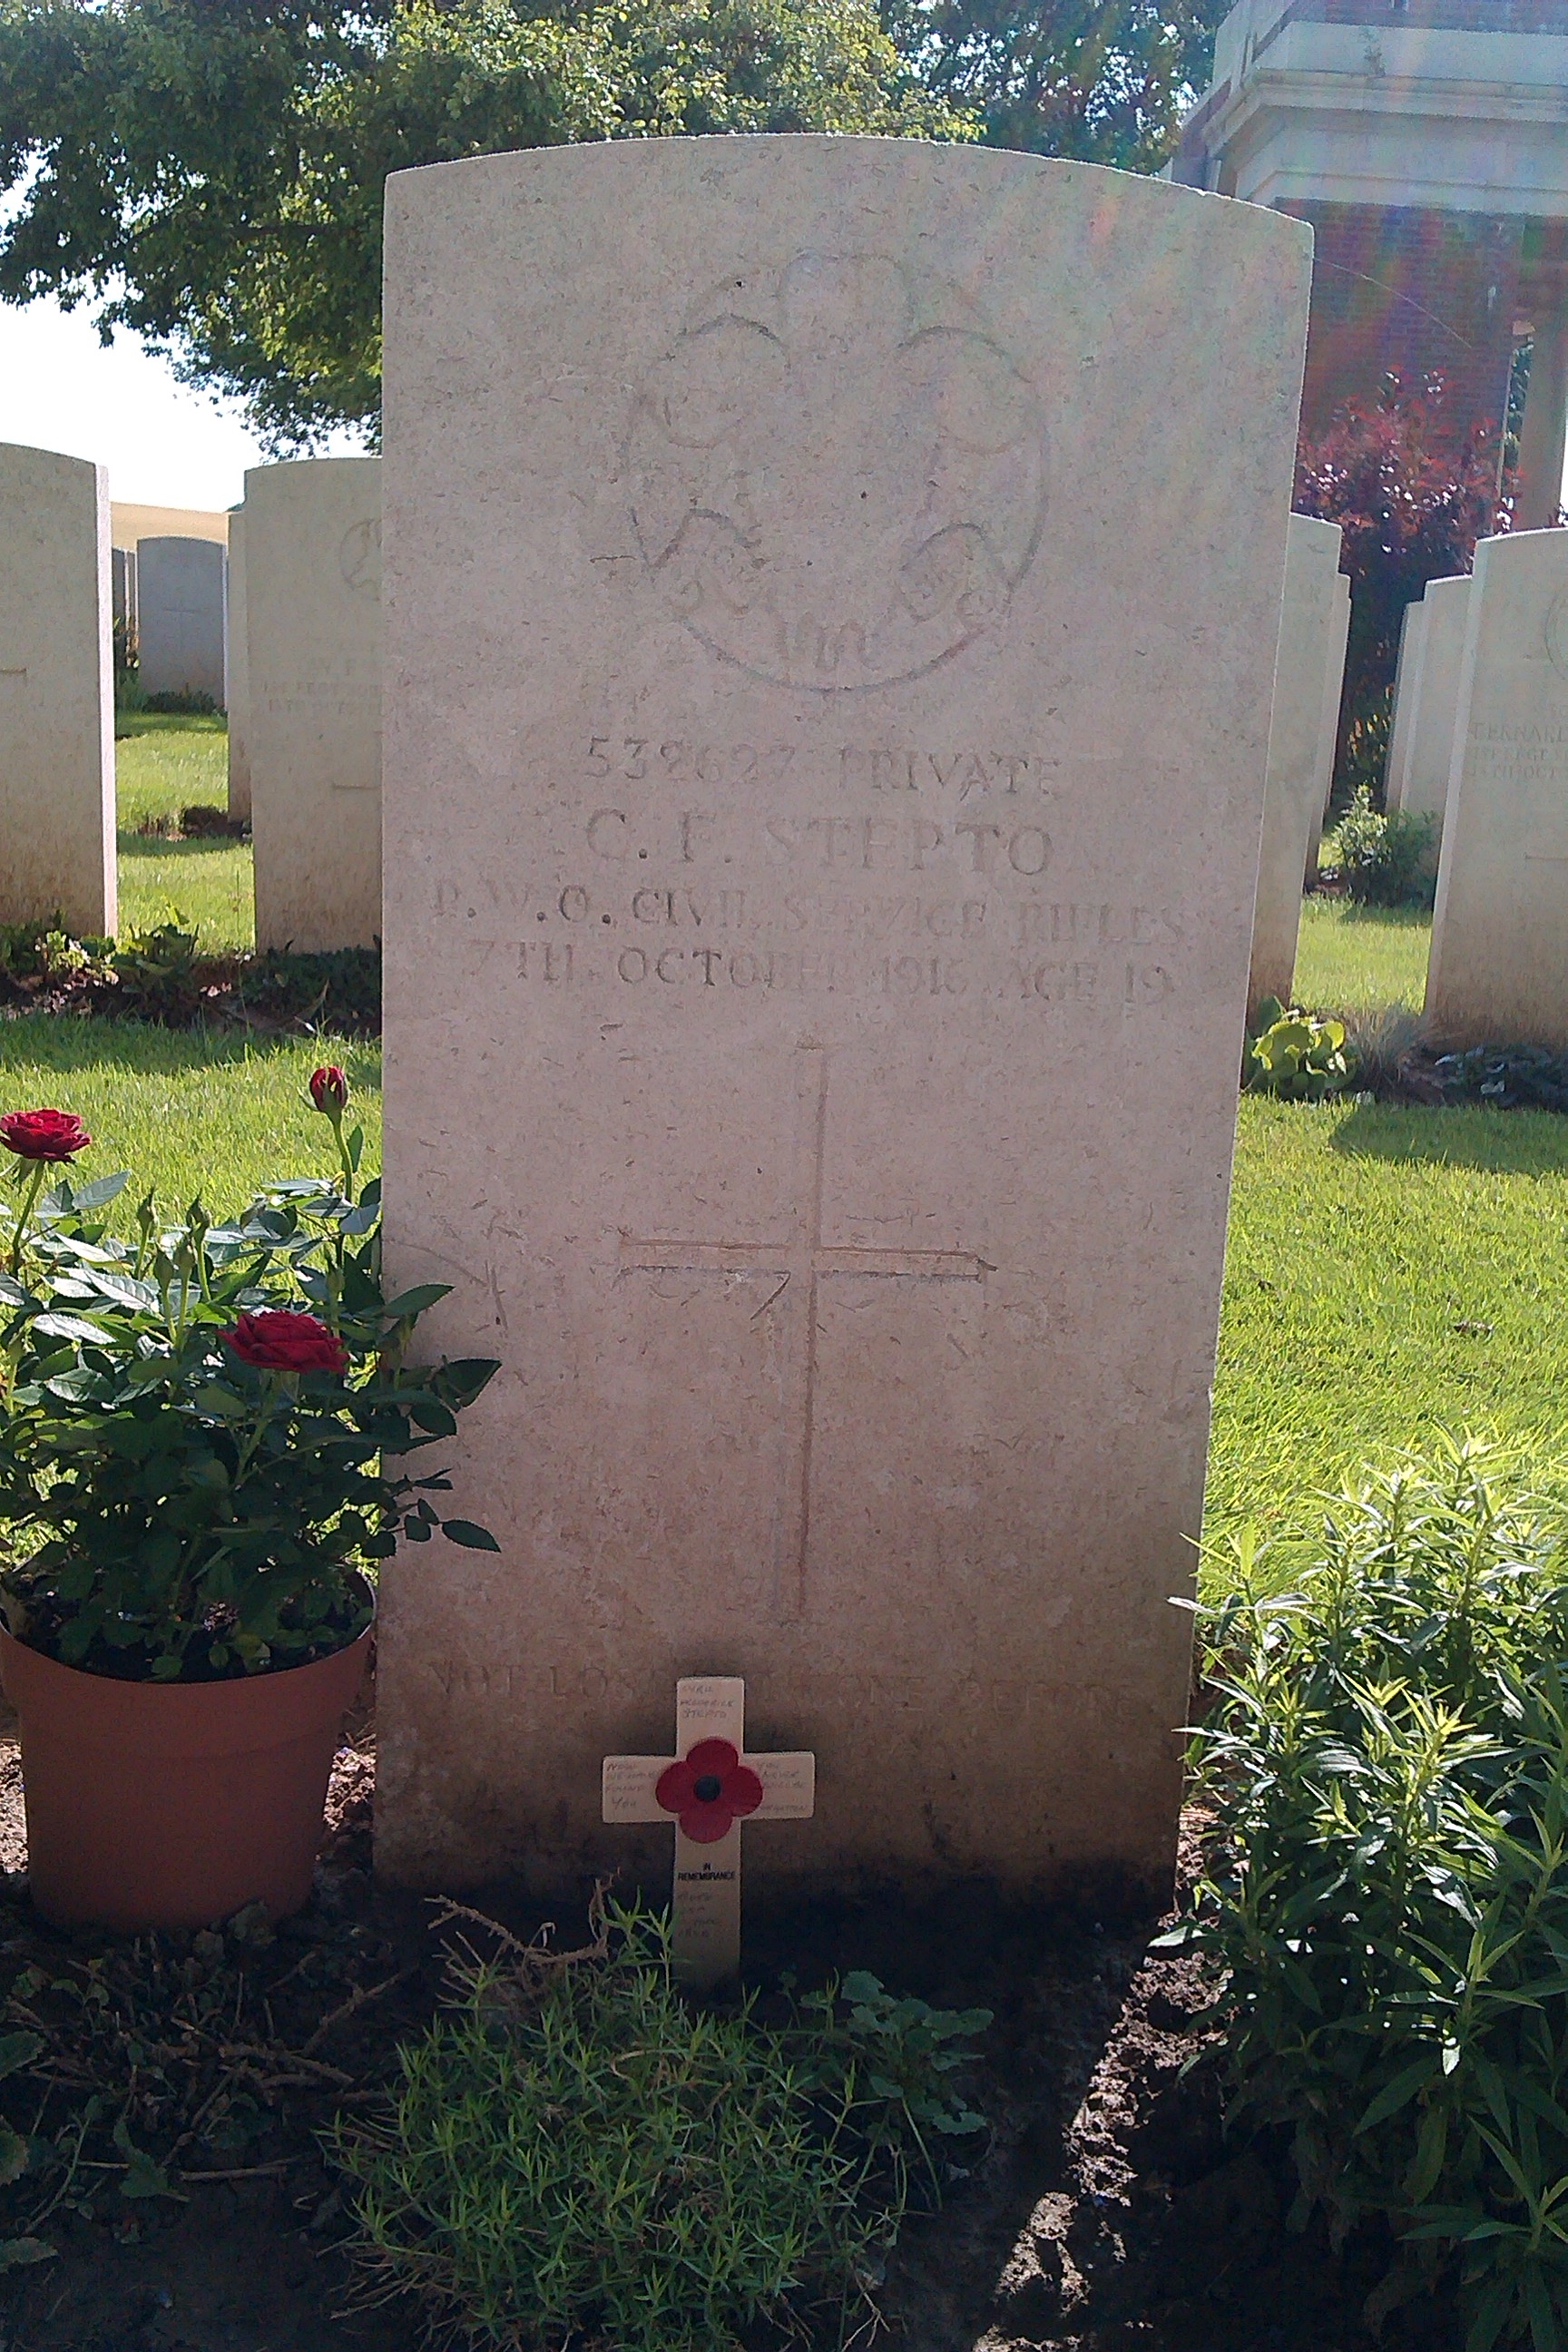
1387	1758
1382	860
202	1429
156	967
1298	1056
1510	1077
577	2155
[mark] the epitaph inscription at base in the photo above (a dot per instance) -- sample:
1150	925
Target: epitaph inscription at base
828	684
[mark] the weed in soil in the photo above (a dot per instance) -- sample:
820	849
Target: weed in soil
1108	2214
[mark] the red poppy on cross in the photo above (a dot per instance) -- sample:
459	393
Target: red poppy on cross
706	1791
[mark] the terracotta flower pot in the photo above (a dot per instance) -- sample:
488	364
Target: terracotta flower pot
174	1804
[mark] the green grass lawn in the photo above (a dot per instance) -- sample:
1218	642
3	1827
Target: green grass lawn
1361	959
185	1113
1391	1271
163	763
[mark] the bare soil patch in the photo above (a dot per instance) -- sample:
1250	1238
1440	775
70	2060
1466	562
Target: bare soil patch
1109	2214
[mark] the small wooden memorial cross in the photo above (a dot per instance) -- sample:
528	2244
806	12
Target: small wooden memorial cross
705	1791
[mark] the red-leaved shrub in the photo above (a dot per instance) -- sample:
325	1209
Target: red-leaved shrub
1412	507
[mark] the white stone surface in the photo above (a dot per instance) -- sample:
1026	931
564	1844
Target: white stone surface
1422	787
1499	970
821	846
1456	119
1406	692
236	694
179	595
1329	716
312	588
1300	748
57	693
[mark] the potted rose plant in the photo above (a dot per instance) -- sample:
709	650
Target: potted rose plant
203	1434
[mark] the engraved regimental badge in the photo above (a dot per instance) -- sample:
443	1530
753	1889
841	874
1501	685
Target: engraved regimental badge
837	473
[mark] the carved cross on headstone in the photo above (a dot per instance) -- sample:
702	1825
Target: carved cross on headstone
705	1791
800	1262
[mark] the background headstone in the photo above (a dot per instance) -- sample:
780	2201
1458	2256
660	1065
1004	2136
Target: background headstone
1421	786
1498	972
313	592
122	580
1406	692
1310	634
57	693
238	696
180	616
1329	721
821	842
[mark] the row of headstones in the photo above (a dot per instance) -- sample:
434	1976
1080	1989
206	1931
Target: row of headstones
1479	741
296	658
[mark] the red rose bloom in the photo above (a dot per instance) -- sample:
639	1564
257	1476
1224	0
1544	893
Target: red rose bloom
44	1134
278	1341
709	1790
329	1088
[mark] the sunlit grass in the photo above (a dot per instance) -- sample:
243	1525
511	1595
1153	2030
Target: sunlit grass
1391	1270
186	1113
163	764
1361	959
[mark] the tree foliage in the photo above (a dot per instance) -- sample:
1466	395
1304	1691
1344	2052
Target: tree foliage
210	171
1104	81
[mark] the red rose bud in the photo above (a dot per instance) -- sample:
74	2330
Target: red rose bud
328	1090
44	1134
278	1341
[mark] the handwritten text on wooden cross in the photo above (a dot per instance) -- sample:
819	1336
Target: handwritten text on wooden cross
705	1791
799	1262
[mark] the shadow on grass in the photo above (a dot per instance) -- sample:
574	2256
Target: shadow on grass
200	844
1356	917
1460	1135
131	723
66	1042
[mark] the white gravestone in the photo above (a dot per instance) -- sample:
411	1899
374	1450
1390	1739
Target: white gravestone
180	617
57	693
1499	970
312	590
1300	748
1420	784
1402	716
705	1791
821	846
1329	718
236	699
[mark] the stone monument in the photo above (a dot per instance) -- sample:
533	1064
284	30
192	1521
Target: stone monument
1328	724
180	616
1418	782
57	693
1300	748
312	590
1402	710
236	701
821	838
1498	972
